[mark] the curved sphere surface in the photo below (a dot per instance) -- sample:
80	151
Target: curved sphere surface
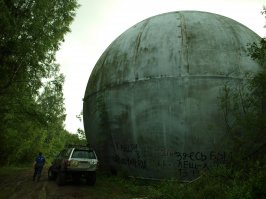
151	104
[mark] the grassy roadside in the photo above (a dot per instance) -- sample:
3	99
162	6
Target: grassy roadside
225	181
120	187
219	183
13	170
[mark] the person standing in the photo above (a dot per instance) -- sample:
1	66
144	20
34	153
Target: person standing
38	166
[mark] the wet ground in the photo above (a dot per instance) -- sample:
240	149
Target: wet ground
20	185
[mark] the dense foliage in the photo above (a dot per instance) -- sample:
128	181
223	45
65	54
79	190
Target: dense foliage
32	109
219	183
244	107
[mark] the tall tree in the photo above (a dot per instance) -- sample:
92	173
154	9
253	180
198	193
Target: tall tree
245	107
32	108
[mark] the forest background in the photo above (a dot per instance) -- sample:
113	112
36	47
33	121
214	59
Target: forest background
32	109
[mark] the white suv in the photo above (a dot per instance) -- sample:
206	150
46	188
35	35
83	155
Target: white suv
74	161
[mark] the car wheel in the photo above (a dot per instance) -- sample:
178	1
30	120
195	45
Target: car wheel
51	174
91	178
61	178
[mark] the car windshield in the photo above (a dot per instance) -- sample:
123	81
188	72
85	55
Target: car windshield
83	154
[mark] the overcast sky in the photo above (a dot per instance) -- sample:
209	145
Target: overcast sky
99	22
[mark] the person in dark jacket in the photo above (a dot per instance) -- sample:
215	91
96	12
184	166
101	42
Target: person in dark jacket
38	166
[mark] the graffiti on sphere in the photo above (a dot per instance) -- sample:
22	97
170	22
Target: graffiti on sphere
185	164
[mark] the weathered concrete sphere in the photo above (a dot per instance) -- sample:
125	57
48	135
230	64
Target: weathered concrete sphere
151	105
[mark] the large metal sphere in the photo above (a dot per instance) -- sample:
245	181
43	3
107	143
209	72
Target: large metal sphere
151	105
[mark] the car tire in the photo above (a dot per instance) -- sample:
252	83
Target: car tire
61	178
51	174
91	178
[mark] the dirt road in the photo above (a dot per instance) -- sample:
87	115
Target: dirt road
20	185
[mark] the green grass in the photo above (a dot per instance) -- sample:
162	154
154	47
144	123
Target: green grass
13	170
231	182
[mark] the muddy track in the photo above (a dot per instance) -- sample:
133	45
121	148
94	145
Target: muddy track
21	186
